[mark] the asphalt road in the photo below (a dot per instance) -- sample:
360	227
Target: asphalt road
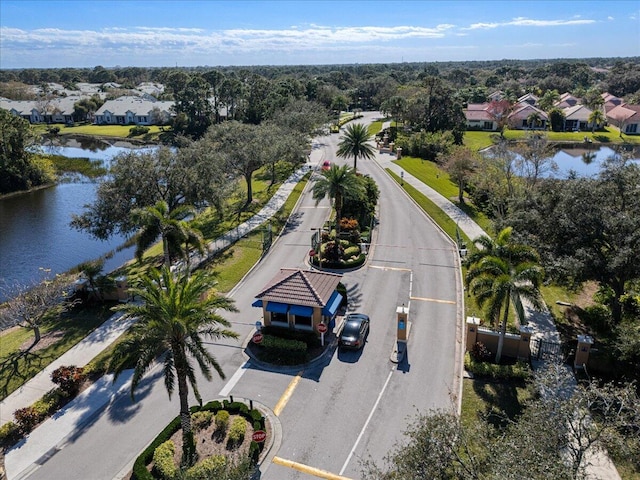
334	415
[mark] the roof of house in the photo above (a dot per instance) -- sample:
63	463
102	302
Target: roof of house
624	112
567	100
300	287
525	109
136	105
62	105
479	115
527	97
577	112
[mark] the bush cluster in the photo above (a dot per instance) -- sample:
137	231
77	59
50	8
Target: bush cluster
68	378
138	130
518	371
210	467
140	470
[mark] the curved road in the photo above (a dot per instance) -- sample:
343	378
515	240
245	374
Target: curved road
353	406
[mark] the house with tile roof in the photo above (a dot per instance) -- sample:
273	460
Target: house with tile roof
626	117
522	111
576	118
479	117
300	299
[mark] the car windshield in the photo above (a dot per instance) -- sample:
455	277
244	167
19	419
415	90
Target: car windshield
351	329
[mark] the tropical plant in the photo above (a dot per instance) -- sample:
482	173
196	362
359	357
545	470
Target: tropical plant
355	143
175	316
596	119
337	183
500	273
170	225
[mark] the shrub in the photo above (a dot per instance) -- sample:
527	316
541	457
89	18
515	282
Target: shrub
283	351
138	130
348	224
351	251
9	434
27	418
519	371
480	352
222	420
163	460
68	378
201	420
237	431
210	467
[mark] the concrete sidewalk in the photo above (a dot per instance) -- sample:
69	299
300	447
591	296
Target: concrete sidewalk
50	435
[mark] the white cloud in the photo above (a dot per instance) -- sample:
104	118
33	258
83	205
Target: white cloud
528	22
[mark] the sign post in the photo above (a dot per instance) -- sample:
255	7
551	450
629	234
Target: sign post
322	328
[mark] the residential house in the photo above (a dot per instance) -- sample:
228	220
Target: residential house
55	110
522	113
129	110
626	118
300	299
479	117
576	118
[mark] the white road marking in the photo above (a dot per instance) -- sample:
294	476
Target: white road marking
233	380
344	467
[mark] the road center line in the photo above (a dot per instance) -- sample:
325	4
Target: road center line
364	427
287	394
316	472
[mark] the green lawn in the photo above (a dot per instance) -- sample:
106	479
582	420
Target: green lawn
121	131
19	366
433	176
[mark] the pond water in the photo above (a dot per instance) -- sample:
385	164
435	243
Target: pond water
35	231
585	162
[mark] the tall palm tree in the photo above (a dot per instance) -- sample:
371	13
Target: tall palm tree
175	316
337	183
500	274
596	119
158	220
355	144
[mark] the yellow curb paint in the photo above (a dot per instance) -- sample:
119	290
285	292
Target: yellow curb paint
422	299
316	472
287	394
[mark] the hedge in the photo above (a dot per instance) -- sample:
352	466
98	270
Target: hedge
163	460
518	371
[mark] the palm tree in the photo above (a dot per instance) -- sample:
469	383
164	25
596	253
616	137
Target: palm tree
336	183
158	220
596	118
500	274
355	144
176	315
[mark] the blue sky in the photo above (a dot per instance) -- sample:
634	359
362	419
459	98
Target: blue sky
84	33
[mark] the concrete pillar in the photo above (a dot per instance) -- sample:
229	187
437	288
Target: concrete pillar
399	153
582	352
402	314
524	348
472	332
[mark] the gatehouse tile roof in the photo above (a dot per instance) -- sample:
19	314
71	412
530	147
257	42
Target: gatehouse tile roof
300	287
